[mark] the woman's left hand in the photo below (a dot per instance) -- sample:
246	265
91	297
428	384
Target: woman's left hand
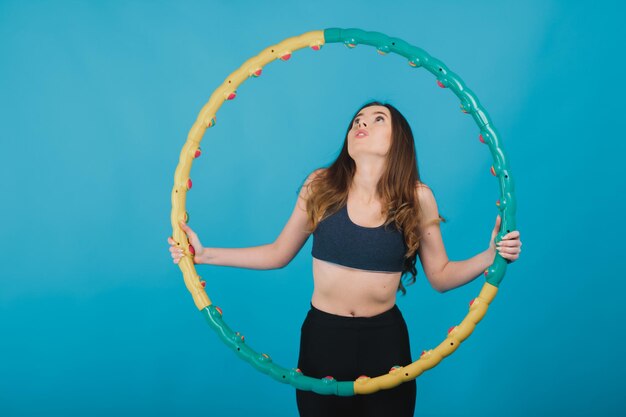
510	246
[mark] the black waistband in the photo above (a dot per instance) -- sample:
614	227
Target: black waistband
389	317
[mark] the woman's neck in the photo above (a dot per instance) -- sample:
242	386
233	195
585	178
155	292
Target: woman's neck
364	182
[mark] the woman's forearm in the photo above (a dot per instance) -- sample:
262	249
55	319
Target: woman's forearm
256	257
458	273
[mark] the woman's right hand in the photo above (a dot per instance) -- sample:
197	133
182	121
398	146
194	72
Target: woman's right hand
177	252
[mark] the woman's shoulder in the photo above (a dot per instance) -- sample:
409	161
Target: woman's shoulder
305	188
315	175
424	195
420	185
428	204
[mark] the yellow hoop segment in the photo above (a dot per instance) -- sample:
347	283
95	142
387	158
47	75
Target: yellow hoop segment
430	358
206	119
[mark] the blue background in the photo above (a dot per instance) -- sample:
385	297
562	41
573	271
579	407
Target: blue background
96	100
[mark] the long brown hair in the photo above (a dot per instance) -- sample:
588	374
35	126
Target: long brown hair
328	191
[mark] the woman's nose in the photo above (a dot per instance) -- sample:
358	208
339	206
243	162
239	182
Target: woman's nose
362	124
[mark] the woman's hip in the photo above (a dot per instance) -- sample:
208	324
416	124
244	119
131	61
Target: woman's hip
352	346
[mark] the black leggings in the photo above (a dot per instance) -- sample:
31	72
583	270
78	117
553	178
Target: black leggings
348	347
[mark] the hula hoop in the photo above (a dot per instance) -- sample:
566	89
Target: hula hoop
182	183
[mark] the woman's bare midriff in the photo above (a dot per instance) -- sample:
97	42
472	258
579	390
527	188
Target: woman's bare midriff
351	292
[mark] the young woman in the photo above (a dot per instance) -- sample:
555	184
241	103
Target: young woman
370	216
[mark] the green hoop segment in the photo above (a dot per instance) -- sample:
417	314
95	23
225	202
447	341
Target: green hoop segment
506	204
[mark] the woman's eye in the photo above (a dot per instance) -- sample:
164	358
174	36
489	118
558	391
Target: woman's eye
356	121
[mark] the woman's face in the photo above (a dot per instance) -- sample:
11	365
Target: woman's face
370	133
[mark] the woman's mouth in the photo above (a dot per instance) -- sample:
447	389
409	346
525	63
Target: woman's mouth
360	134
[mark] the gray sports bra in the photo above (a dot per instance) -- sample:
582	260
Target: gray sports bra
337	239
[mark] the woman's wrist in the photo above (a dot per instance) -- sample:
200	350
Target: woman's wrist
206	256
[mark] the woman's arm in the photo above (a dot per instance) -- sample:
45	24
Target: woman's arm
294	234
458	273
256	257
442	273
273	255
